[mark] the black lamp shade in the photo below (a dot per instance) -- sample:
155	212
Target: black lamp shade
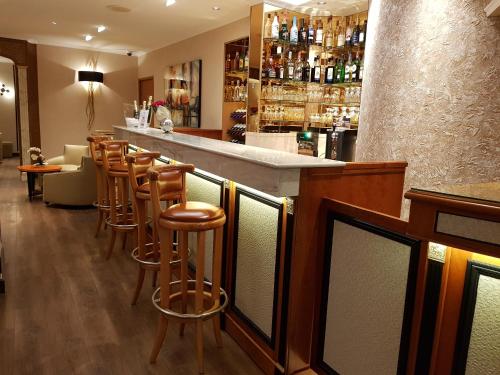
90	76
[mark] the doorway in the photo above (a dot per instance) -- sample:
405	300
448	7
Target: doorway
9	132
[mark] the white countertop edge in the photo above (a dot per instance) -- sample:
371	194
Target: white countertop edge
211	145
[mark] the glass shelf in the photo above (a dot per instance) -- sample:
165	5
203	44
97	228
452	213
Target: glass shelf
305	46
286	82
305	102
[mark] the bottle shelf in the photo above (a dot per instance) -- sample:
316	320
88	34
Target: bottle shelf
305	102
286	82
305	46
284	122
237	73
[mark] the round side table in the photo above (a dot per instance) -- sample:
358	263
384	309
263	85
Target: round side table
32	171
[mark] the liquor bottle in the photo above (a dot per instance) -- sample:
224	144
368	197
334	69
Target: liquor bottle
290	67
284	35
355	33
340	71
306	71
361	69
241	63
271	71
340	37
228	63
294	32
298	68
362	34
348	32
310	33
268	27
347	69
355	69
316	71
236	62
236	93
280	69
275	27
319	34
245	64
302	32
330	71
329	35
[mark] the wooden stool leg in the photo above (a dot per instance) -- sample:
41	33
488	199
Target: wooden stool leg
124	201
112	213
216	275
183	252
100	198
200	268
165	279
140	210
99	221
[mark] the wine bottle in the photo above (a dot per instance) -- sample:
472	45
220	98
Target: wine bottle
302	32
290	67
280	69
310	33
340	37
347	74
268	27
228	63
316	76
355	68
294	32
271	69
329	35
340	71
348	32
136	109
306	71
355	33
361	69
298	68
284	35
275	27
330	72
319	34
362	34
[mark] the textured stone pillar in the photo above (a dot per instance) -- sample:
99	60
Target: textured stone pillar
431	94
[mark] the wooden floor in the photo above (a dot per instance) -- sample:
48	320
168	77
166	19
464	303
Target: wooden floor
67	310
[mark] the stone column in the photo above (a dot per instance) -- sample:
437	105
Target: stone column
431	94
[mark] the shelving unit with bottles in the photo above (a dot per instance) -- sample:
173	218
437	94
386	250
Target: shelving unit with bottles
235	85
311	71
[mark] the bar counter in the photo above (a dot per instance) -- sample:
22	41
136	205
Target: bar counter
270	171
272	201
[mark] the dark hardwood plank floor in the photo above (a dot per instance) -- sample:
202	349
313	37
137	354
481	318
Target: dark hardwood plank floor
67	310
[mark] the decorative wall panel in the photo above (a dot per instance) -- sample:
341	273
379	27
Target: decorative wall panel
484	347
202	189
257	251
431	90
365	310
468	227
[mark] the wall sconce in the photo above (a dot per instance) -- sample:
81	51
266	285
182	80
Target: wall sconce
4	90
90	77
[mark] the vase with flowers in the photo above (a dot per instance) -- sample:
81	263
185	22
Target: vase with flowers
36	156
163	115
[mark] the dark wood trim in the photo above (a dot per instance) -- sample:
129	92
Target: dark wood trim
455	201
268	340
474	271
199	132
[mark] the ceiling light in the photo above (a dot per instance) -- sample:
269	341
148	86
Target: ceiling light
321	2
54	23
296	2
101	28
215	8
169	2
88	38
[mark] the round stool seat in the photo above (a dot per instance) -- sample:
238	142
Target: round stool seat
192	216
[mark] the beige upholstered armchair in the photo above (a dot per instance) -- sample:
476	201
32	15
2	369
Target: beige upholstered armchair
71	159
73	188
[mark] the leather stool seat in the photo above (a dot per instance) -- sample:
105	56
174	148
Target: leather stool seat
192	212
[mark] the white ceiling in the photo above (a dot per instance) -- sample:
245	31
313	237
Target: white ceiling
148	25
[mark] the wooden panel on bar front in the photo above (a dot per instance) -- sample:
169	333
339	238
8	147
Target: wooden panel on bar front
205	133
374	186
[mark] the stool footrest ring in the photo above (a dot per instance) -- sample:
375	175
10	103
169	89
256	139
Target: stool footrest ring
127	224
214	310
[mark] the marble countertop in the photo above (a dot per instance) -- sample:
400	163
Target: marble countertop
257	155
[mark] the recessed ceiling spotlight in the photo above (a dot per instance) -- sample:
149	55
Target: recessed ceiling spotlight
169	2
296	2
88	38
101	28
215	8
54	23
321	2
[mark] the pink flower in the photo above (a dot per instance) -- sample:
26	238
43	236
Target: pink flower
158	103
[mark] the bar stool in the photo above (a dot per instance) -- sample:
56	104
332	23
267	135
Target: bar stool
102	203
147	254
187	217
113	158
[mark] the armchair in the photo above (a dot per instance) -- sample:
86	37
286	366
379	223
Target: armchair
73	188
71	158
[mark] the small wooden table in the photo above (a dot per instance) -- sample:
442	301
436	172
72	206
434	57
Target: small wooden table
32	171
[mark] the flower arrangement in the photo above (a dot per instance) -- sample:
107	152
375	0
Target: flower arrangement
36	156
158	103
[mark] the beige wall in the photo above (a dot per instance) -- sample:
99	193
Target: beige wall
431	91
8	105
209	47
63	99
